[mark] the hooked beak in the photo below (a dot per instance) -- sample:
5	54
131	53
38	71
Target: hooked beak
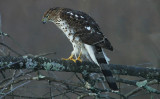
44	20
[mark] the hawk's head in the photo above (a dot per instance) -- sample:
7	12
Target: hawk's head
51	14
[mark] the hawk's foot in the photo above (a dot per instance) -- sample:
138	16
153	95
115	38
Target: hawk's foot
79	59
70	58
74	60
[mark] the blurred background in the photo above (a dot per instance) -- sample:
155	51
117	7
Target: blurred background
132	26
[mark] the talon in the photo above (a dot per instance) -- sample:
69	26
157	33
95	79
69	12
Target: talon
73	60
79	57
70	58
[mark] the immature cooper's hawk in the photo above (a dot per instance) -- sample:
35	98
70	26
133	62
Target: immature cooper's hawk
85	36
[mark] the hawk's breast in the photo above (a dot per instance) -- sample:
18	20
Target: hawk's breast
68	30
70	33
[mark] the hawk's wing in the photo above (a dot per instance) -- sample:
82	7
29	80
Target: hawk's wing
94	41
86	28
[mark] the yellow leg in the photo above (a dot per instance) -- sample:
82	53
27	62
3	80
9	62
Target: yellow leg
79	57
70	58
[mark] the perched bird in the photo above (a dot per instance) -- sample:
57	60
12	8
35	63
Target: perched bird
85	36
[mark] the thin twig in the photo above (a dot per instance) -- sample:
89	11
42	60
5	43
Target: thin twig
136	90
2	37
3	81
10	49
14	89
79	79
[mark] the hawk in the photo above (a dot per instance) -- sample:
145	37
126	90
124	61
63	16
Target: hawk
85	36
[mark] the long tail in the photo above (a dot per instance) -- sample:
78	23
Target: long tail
101	60
107	73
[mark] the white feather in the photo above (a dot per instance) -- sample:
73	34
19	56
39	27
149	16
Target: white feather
105	56
91	52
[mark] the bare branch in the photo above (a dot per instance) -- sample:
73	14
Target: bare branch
42	63
136	90
85	68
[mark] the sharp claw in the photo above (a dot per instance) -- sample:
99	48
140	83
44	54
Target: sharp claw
74	60
69	59
63	58
78	59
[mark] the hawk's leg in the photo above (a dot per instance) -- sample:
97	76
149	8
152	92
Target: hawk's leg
79	57
70	58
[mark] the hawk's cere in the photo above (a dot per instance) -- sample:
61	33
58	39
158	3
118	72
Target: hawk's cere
84	34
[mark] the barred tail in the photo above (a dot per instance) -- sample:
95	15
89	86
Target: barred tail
98	56
107	74
106	71
110	80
